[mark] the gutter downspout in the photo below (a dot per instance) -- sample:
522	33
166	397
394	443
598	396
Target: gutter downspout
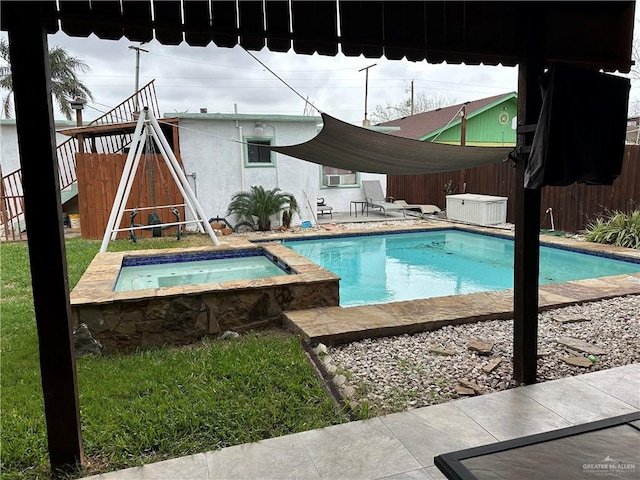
241	143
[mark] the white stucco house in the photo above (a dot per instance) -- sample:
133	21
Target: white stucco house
219	161
9	156
10	164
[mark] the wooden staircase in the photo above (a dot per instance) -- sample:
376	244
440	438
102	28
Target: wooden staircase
12	213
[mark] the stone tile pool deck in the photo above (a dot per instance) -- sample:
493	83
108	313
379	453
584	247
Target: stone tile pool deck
331	324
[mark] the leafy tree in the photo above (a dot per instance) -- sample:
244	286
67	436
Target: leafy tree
422	102
258	206
65	84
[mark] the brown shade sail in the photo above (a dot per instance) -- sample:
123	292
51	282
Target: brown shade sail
343	145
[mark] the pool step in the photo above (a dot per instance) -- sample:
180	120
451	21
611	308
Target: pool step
337	325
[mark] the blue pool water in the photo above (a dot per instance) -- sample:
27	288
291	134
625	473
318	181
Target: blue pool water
408	266
137	273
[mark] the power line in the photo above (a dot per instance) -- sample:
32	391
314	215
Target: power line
289	86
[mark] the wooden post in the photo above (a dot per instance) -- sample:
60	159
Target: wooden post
463	142
34	119
527	225
463	125
79	137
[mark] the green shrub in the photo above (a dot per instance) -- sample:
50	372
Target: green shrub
258	206
616	228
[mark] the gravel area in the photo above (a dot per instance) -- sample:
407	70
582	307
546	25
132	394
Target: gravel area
394	374
320	228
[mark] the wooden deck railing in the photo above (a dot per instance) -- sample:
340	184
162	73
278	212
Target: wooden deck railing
127	111
12	207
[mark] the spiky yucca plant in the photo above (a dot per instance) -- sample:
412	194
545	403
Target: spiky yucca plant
616	228
258	206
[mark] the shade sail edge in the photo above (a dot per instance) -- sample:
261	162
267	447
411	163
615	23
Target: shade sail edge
350	147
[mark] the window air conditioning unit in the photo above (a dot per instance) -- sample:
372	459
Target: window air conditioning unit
332	180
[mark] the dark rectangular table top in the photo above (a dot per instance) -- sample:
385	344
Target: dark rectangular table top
607	448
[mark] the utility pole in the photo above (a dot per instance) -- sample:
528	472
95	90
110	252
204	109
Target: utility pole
365	122
138	50
411	97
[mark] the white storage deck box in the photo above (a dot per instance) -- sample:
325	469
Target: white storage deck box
477	209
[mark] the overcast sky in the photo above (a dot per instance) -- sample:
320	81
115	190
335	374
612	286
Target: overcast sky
189	78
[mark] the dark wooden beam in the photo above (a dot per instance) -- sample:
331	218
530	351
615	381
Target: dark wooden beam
527	222
37	146
463	142
109	129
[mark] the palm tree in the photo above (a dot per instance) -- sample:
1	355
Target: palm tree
259	205
65	84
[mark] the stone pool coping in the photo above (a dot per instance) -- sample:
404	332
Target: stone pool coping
129	320
96	285
336	325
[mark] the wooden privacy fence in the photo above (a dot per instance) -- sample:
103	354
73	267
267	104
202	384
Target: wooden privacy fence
98	179
572	206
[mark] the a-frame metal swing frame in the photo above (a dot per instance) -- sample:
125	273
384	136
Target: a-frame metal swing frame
148	125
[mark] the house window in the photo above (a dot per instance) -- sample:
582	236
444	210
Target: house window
338	177
256	156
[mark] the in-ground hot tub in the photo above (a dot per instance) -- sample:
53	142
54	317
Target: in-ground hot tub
186	268
181	302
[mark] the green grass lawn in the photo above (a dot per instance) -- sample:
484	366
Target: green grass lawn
155	404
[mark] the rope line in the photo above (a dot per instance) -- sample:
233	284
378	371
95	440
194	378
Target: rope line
285	83
445	127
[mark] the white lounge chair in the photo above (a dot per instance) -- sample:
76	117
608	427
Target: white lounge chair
376	199
424	209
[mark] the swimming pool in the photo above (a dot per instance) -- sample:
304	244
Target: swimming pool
384	268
